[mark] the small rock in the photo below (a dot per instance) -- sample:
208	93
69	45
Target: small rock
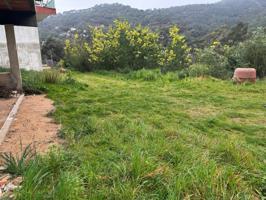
17	181
2	168
4	180
10	187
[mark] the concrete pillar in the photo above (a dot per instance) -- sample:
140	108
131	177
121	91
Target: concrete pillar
13	56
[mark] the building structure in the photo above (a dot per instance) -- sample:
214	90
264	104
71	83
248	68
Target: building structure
19	37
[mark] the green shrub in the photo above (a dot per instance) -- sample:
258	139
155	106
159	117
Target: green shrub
216	60
183	73
251	53
68	79
199	70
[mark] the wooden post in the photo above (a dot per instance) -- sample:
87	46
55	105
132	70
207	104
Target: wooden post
13	56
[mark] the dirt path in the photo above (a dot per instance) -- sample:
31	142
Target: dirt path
32	127
5	107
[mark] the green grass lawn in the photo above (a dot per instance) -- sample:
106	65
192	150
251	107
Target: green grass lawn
133	139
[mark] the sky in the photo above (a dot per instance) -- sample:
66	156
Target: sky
65	5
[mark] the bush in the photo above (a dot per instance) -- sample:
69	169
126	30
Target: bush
124	47
176	55
121	47
77	54
199	70
184	73
216	60
251	53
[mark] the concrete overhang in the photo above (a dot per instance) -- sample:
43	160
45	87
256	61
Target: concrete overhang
18	12
23	12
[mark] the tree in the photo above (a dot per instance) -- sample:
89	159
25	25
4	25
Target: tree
52	49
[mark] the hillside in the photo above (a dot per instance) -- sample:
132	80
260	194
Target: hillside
194	20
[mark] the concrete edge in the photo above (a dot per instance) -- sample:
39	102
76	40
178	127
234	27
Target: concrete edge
4	130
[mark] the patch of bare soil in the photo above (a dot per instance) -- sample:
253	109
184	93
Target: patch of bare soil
5	107
32	126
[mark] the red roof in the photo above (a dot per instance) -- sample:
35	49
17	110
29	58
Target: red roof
43	12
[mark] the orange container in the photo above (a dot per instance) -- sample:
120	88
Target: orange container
242	75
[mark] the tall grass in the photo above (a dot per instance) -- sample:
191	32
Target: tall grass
156	75
34	82
138	138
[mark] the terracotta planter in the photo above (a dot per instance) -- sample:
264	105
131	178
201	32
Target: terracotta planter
242	75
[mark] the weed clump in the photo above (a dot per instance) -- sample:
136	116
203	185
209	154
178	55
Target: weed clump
17	165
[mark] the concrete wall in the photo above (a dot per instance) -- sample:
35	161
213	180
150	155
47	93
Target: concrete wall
28	46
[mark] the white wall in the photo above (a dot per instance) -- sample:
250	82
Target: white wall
28	45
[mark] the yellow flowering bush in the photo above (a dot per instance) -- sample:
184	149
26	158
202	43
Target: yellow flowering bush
78	54
177	54
124	47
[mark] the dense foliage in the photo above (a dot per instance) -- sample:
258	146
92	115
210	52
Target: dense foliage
216	60
176	55
124	47
251	53
221	60
230	35
52	49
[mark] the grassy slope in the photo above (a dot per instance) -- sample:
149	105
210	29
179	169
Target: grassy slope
130	139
